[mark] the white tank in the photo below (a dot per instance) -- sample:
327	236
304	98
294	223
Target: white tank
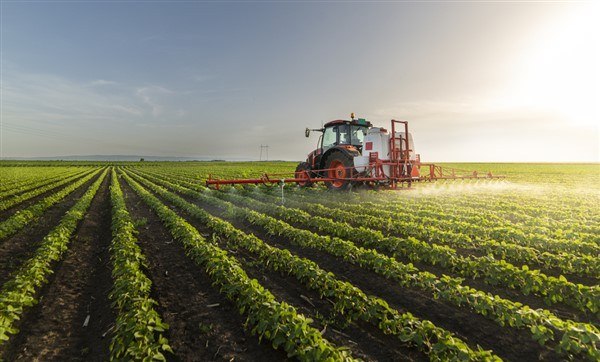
378	140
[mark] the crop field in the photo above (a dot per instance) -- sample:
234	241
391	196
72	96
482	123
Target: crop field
140	260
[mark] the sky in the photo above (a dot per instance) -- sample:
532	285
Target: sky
477	81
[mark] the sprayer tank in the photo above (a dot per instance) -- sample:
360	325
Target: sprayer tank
378	140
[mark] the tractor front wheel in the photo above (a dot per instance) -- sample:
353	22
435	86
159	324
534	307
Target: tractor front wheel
338	167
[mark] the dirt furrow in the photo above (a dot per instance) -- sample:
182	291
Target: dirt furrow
471	327
365	341
77	292
477	330
203	325
535	302
19	247
26	203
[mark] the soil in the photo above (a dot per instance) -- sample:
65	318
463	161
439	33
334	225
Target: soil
53	329
473	328
364	340
560	309
19	247
203	325
5	214
574	278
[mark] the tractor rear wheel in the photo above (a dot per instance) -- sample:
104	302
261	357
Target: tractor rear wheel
303	171
338	166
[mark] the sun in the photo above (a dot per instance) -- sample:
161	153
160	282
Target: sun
560	72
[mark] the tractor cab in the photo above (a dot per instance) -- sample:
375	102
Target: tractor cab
342	132
341	141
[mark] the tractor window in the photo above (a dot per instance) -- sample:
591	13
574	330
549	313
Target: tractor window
358	135
329	137
344	136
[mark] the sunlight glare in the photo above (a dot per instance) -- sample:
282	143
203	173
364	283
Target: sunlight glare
560	74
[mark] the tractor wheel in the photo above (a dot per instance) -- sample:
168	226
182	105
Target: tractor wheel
338	165
303	171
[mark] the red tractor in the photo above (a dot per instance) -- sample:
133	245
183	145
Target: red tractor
353	152
333	158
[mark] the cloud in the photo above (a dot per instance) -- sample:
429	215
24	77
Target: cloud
49	98
150	95
102	82
46	114
202	77
42	99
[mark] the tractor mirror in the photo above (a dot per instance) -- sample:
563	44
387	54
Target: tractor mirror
307	132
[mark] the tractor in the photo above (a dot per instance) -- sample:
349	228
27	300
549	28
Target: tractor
350	152
354	153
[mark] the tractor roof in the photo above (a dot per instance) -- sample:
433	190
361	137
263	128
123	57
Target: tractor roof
357	122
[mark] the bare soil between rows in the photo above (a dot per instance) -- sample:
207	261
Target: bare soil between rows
511	345
19	247
203	325
26	203
77	291
365	341
477	330
560	309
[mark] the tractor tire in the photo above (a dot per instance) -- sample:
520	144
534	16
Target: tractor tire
338	165
301	172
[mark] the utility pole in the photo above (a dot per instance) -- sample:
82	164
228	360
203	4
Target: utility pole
266	148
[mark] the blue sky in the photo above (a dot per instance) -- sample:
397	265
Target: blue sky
477	81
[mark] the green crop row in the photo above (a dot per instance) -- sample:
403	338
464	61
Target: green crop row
349	301
580	337
552	289
575	337
495	272
18	177
530	239
6	204
512	210
20	291
437	231
478	230
31	185
477	221
439	228
23	217
275	321
138	332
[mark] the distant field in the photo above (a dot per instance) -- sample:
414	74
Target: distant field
133	260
